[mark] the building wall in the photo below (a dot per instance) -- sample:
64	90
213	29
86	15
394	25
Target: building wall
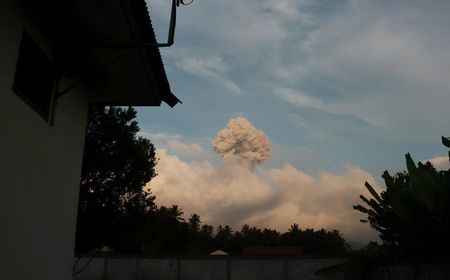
40	168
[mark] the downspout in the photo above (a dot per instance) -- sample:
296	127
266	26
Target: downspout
136	44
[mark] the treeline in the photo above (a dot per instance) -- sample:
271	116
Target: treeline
116	212
164	232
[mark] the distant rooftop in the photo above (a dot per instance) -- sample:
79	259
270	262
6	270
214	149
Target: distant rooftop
219	253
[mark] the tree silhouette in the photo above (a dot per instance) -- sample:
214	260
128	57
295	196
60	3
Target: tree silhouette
207	231
223	237
413	213
116	166
194	222
176	213
294	229
165	234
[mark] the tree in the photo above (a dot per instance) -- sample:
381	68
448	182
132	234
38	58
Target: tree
223	237
207	231
294	229
176	213
194	222
413	213
117	164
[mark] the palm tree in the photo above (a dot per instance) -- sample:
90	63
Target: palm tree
207	230
194	222
294	229
176	213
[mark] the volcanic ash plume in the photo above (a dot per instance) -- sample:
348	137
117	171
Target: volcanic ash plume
242	140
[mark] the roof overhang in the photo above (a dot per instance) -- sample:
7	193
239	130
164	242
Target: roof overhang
96	42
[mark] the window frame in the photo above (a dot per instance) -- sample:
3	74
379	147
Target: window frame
30	52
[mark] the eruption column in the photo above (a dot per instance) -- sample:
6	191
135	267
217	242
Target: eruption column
241	140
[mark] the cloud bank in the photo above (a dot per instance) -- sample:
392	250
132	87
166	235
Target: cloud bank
232	193
229	193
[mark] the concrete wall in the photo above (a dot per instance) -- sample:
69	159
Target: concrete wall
248	269
418	272
39	169
203	269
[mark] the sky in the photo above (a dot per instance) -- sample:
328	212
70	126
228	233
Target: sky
342	90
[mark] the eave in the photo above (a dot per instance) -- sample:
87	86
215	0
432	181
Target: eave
84	35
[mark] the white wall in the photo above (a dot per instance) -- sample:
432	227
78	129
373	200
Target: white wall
39	171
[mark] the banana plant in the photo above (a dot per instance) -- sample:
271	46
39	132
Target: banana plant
446	143
414	207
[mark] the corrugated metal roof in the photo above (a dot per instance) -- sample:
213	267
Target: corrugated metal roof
83	34
144	22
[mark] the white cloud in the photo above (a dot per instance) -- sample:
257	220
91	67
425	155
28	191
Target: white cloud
175	143
189	148
231	194
384	63
158	136
231	87
224	193
301	99
243	34
212	69
298	98
209	66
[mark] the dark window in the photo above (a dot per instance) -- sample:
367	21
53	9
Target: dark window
35	77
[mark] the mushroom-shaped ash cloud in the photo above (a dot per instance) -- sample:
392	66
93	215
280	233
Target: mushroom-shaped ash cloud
241	140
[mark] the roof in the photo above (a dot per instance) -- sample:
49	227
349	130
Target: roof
273	251
85	35
219	253
142	13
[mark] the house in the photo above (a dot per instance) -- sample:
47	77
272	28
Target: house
56	58
273	251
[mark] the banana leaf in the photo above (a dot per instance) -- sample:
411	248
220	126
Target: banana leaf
426	188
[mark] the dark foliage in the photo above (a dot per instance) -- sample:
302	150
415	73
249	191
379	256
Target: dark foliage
412	215
166	234
116	166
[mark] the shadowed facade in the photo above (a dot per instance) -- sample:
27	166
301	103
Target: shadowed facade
58	57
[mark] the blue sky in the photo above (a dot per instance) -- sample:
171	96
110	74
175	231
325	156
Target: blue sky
333	84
